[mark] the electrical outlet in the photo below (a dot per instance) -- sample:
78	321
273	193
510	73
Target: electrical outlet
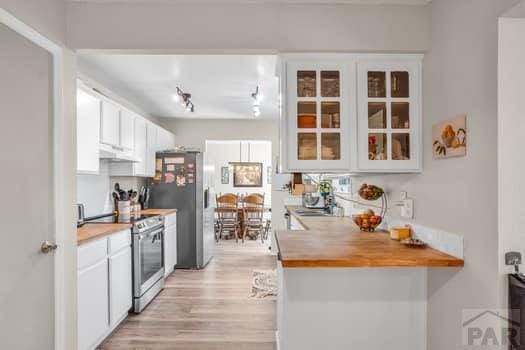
403	195
407	208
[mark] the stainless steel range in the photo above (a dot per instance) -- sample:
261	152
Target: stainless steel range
147	254
148	260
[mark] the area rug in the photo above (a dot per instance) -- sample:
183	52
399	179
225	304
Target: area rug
264	283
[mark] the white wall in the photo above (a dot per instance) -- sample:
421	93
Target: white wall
511	129
194	133
460	195
233	26
224	152
46	16
461	77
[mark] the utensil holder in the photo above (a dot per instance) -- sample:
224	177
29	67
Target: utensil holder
124	210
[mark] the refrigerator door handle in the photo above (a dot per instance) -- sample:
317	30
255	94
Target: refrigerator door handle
206	198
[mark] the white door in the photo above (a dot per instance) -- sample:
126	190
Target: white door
27	287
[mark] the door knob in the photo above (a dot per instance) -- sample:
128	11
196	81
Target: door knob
48	247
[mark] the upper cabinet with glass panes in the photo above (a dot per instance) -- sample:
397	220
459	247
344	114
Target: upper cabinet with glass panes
389	114
350	113
317	115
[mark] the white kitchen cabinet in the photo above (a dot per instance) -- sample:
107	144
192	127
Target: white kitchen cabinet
137	168
88	132
170	243
165	140
350	113
145	149
127	130
151	149
389	115
104	289
120	285
110	123
93	303
319	114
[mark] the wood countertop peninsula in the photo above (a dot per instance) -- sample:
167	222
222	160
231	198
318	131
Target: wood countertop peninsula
163	212
338	242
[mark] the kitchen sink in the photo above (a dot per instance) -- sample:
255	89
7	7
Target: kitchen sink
312	213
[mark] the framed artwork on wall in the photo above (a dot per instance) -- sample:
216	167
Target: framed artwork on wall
247	174
225	175
449	138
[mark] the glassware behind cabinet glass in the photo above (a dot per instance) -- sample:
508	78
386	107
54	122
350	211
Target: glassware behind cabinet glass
307	146
330	83
306	83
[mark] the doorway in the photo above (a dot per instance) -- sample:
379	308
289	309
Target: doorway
244	168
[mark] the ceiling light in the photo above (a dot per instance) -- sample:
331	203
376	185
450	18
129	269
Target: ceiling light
185	100
256	111
257	98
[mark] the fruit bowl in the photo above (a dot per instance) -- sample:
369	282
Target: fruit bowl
367	221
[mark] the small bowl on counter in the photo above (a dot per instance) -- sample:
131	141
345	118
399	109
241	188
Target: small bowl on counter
367	221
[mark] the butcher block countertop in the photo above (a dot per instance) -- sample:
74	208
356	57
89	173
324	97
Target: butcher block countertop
338	242
89	232
163	212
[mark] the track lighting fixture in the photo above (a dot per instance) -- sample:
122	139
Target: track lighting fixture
184	99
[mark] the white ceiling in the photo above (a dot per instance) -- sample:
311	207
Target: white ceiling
220	85
363	2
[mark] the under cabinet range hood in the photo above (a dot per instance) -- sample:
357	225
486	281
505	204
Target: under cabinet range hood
117	154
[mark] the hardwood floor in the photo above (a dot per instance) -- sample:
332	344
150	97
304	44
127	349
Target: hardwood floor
208	309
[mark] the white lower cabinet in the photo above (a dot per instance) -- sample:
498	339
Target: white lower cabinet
170	243
120	284
93	321
104	287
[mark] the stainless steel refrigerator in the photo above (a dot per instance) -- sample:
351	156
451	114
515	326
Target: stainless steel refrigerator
184	181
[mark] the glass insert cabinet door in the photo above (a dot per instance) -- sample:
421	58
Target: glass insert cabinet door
389	116
318	115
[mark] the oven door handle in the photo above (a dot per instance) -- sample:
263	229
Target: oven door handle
150	234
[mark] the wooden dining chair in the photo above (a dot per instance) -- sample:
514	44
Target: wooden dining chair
228	214
253	211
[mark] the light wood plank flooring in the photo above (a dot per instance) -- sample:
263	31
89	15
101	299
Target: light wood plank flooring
210	309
